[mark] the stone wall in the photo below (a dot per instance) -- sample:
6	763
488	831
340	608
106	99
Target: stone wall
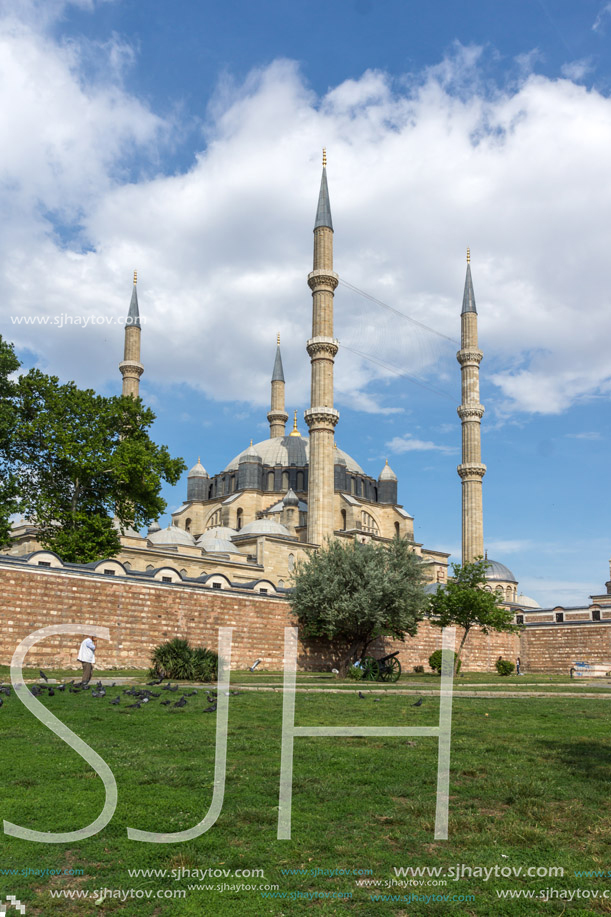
557	648
142	615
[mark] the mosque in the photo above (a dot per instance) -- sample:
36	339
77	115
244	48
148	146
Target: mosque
280	499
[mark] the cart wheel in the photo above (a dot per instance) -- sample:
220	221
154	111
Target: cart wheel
371	668
391	670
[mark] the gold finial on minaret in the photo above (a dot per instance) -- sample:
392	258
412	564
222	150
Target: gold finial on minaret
295	431
251	442
135	277
324	157
278	339
468	256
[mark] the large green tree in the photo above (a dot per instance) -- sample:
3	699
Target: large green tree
76	461
465	602
353	593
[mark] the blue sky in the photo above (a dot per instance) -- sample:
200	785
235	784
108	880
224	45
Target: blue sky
184	140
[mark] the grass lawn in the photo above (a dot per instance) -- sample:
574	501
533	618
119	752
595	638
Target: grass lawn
529	787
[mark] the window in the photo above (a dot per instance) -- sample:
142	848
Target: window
368	523
109	572
263	591
291	563
596	614
166	579
559	617
519	619
216	586
44	563
343	520
270	480
397	530
214	520
239	521
187	525
285	480
232	483
300	480
352	486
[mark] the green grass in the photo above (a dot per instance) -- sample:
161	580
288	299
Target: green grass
529	787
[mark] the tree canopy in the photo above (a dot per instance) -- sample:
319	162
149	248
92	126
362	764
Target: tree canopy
77	460
464	602
354	593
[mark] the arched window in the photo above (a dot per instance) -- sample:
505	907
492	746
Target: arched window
187	525
285	480
509	593
210	488
270	480
343	520
397	530
352	485
300	480
239	521
214	520
291	564
232	482
368	524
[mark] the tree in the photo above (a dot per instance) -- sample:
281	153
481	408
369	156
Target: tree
464	602
354	593
9	364
80	459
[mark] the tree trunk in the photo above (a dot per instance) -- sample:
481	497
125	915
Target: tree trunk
457	656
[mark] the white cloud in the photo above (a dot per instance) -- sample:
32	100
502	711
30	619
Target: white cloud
577	70
588	435
417	171
408	443
603	13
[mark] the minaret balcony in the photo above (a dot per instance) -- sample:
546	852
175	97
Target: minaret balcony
322	279
321	417
322	346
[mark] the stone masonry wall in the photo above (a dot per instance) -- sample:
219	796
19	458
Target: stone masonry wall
142	615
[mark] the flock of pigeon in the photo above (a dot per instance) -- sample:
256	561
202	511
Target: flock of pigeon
141	695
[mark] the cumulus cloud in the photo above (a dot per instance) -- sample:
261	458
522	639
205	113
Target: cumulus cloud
408	443
418	169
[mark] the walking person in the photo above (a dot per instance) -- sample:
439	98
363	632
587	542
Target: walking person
518	666
86	656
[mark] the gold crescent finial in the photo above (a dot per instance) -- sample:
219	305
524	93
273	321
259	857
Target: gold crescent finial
324	157
199	459
135	277
278	339
251	442
468	255
294	431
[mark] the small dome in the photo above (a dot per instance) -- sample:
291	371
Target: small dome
171	535
198	471
154	527
264	527
387	474
524	601
290	498
250	455
290	450
219	531
497	572
222	545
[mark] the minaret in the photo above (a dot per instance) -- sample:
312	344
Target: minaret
277	416
470	412
321	417
131	367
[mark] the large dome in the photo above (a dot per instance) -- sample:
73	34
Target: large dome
496	572
289	450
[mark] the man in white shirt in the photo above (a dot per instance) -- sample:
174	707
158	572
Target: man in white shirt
86	656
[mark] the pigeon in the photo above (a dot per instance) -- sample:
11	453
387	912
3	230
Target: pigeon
151	683
51	692
6	689
152	694
35	690
137	705
418	703
116	701
255	664
165	703
181	703
169	688
190	694
96	694
210	709
42	675
60	688
361	695
145	700
376	700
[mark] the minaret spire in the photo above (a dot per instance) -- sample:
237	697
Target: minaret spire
277	415
321	417
471	470
131	368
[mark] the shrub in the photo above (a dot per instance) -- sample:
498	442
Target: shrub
504	666
355	672
178	659
435	661
419	669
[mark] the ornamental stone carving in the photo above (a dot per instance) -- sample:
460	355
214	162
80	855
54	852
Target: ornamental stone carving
321	416
322	346
322	278
471	470
469	357
471	411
